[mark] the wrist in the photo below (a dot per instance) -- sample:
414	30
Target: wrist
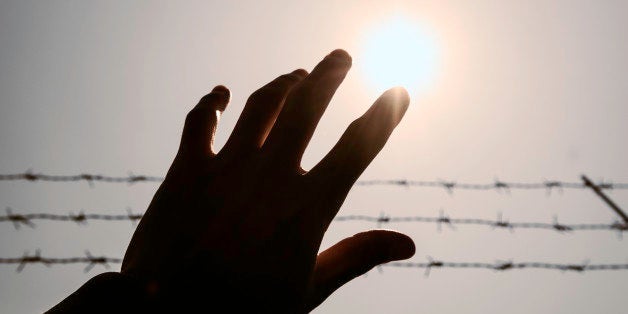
107	292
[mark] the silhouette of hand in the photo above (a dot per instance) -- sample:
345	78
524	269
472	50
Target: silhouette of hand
240	229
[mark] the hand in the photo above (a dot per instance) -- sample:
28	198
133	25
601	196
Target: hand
240	229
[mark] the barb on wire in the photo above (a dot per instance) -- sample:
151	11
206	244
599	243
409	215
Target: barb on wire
36	258
507	265
443	219
19	220
502	186
449	186
501	223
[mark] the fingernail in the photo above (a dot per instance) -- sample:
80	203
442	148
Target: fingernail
224	94
399	94
398	97
340	54
223	91
300	73
220	89
401	249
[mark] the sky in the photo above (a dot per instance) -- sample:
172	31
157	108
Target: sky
517	91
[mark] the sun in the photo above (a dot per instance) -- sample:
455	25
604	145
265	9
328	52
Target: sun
399	52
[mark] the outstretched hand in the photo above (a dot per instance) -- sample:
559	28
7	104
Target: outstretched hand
240	229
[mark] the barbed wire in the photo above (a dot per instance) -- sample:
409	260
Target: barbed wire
498	185
450	186
443	219
91	261
507	265
81	218
90	178
36	258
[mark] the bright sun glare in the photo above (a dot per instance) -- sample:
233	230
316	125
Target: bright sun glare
400	52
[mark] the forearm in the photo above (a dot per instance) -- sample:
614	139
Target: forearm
106	293
120	293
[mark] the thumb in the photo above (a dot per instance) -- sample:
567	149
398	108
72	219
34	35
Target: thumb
353	257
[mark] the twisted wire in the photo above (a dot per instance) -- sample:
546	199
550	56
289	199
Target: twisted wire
508	265
19	220
448	185
497	223
91	261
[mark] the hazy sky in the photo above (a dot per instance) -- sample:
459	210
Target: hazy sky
523	91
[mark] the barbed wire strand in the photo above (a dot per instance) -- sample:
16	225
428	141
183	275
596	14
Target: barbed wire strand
443	219
81	218
498	185
91	261
508	265
36	258
29	176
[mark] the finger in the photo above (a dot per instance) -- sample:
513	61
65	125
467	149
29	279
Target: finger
361	142
353	257
201	122
260	113
304	107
